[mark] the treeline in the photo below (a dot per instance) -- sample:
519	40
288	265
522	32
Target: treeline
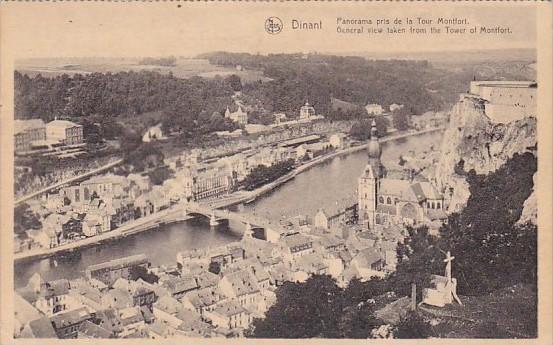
163	61
317	78
118	94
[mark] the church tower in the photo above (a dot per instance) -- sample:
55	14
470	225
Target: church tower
369	181
374	152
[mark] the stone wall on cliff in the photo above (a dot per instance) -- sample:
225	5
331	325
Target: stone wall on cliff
478	143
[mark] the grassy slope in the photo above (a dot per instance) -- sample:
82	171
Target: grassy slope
506	313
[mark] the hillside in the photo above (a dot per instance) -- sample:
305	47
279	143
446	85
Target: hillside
506	313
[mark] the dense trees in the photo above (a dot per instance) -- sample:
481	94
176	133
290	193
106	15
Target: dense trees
361	129
121	94
261	174
24	219
316	308
163	61
400	119
491	250
316	78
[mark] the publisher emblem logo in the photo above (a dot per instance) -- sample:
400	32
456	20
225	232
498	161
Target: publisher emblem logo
273	25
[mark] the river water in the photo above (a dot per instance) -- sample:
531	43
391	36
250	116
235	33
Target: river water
319	187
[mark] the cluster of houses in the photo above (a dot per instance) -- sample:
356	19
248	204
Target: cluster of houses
213	292
97	205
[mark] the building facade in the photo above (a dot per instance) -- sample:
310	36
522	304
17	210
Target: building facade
27	132
307	111
66	132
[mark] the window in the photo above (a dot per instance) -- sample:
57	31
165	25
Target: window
381	199
389	201
438	206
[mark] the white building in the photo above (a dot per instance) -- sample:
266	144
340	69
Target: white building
337	140
307	111
63	131
507	101
374	109
239	116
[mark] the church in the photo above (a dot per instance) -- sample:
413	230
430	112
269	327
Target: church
387	201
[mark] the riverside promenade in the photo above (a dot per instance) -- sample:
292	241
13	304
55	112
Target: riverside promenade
176	212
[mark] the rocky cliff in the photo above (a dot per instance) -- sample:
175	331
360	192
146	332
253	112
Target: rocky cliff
473	141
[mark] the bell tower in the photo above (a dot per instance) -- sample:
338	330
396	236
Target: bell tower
369	181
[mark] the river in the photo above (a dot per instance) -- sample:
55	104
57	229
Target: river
318	187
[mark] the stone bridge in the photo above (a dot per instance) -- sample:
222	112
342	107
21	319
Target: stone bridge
273	231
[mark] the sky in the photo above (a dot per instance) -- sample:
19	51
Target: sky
122	29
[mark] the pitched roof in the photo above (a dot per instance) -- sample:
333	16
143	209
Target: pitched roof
229	308
42	328
70	318
242	282
176	285
296	240
62	124
23	310
206	279
203	298
88	329
168	304
367	257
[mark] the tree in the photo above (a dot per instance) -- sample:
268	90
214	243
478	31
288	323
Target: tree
25	219
302	310
160	175
361	129
234	81
139	272
400	119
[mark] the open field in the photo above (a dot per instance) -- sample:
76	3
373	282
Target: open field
184	68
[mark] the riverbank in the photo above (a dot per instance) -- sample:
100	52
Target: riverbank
174	213
283	179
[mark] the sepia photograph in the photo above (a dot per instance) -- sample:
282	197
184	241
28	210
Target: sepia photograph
176	171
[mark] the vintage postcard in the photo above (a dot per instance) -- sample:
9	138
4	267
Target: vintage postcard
232	172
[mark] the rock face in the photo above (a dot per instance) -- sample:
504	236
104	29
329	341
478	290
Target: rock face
530	210
473	141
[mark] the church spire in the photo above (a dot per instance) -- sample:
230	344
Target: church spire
374	151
